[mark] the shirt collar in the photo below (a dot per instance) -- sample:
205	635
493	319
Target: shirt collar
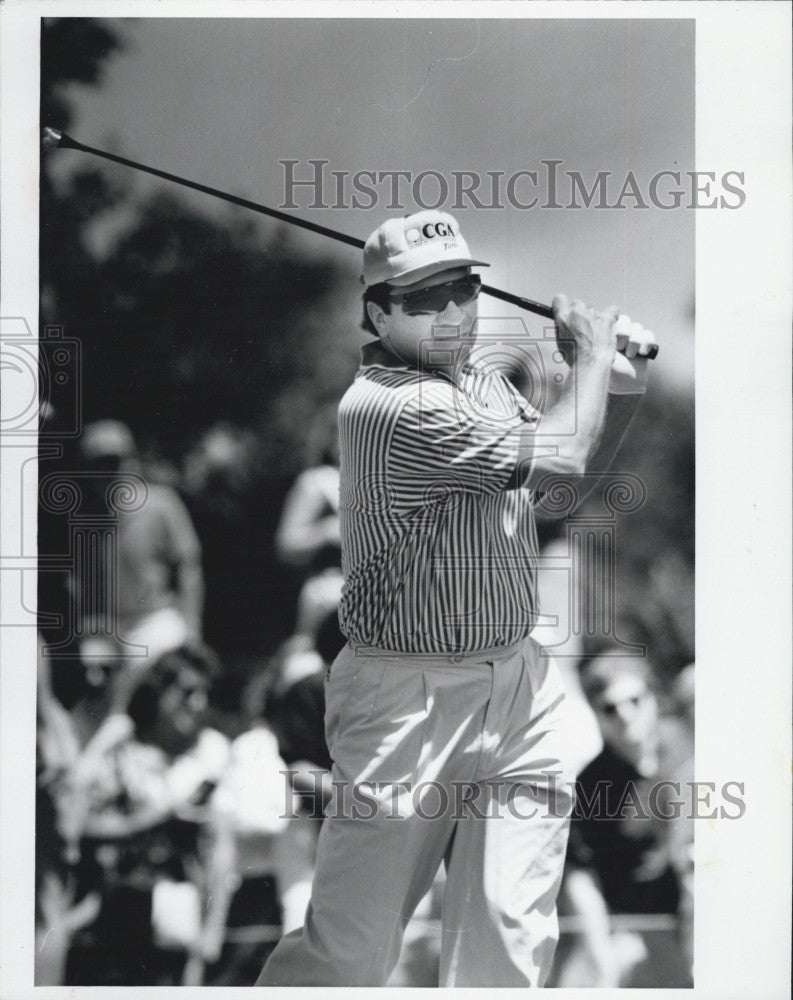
375	353
471	373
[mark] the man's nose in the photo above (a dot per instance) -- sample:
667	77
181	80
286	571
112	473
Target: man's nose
452	313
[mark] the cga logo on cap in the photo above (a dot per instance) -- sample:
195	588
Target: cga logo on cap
416	235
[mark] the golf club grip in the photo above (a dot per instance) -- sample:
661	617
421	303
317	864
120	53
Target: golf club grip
541	310
63	141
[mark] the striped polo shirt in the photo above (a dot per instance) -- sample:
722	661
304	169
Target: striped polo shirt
439	549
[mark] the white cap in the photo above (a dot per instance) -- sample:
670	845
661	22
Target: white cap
403	251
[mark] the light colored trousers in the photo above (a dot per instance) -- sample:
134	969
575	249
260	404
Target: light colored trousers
437	757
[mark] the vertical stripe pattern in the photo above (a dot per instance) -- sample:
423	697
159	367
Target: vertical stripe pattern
439	555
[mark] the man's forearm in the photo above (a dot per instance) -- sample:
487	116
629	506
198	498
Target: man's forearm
569	433
619	413
570	437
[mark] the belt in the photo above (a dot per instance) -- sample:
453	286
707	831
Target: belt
489	653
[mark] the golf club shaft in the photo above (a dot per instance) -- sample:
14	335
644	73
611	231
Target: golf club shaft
518	300
54	137
64	141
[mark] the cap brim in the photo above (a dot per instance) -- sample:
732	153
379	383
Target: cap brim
419	273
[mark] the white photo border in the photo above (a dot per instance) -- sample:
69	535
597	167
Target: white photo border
744	262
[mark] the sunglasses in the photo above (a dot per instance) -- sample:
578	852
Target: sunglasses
432	300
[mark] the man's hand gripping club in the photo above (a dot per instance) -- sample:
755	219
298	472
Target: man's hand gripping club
608	355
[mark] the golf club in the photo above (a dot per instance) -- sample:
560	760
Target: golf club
55	138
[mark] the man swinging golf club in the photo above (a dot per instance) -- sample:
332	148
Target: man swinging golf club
444	718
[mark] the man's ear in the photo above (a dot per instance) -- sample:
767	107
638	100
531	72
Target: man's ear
377	316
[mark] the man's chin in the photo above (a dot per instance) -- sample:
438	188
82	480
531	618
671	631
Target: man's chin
449	336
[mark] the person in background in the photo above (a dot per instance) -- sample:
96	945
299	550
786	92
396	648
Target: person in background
147	844
556	633
60	913
145	586
308	537
683	697
683	833
621	856
224	494
297	710
269	850
269	804
139	593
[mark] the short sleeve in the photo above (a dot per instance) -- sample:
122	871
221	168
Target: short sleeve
444	441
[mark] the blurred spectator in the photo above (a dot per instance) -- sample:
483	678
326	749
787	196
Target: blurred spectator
271	854
308	536
95	699
683	695
191	857
269	802
137	592
59	911
556	586
623	849
143	585
230	516
297	711
683	848
146	844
